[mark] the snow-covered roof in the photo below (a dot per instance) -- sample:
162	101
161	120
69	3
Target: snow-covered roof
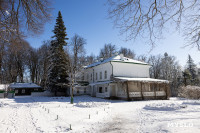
3	86
23	85
99	83
117	58
142	79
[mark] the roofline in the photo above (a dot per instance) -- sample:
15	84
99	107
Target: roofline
97	65
120	62
131	63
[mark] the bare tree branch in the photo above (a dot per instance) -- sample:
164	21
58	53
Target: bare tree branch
148	19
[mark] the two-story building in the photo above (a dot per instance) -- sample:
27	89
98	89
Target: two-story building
124	78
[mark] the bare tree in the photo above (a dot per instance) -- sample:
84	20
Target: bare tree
90	59
33	64
108	51
148	19
127	52
15	60
2	54
155	70
43	53
17	15
166	67
143	58
77	50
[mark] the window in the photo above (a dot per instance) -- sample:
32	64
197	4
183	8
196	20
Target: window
100	89
83	77
106	89
36	89
105	75
16	91
100	76
87	76
84	90
77	91
91	77
23	90
96	76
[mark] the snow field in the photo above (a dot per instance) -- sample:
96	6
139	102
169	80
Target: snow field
89	114
45	114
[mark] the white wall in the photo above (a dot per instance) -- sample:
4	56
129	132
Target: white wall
130	70
97	69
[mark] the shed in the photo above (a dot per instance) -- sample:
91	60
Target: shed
24	88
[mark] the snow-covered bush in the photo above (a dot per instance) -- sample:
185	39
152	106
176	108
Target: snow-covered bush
190	92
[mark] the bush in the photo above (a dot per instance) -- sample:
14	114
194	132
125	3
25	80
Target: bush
11	91
190	92
2	91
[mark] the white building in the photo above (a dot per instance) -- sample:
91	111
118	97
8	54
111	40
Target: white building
121	77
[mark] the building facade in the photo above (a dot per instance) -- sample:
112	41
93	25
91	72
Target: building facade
124	78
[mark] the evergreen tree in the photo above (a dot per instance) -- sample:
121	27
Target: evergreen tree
186	77
58	71
191	67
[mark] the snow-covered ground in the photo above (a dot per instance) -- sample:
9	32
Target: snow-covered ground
89	114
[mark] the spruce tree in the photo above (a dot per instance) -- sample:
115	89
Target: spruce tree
191	67
58	71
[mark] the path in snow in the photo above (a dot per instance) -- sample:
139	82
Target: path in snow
121	119
19	118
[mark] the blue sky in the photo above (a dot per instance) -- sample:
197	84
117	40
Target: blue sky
88	18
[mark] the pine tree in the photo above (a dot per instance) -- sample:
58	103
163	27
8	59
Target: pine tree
58	71
191	67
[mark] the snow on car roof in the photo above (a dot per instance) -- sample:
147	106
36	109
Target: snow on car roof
23	85
117	58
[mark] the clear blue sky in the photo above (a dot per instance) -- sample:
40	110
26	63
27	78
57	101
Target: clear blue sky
88	18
